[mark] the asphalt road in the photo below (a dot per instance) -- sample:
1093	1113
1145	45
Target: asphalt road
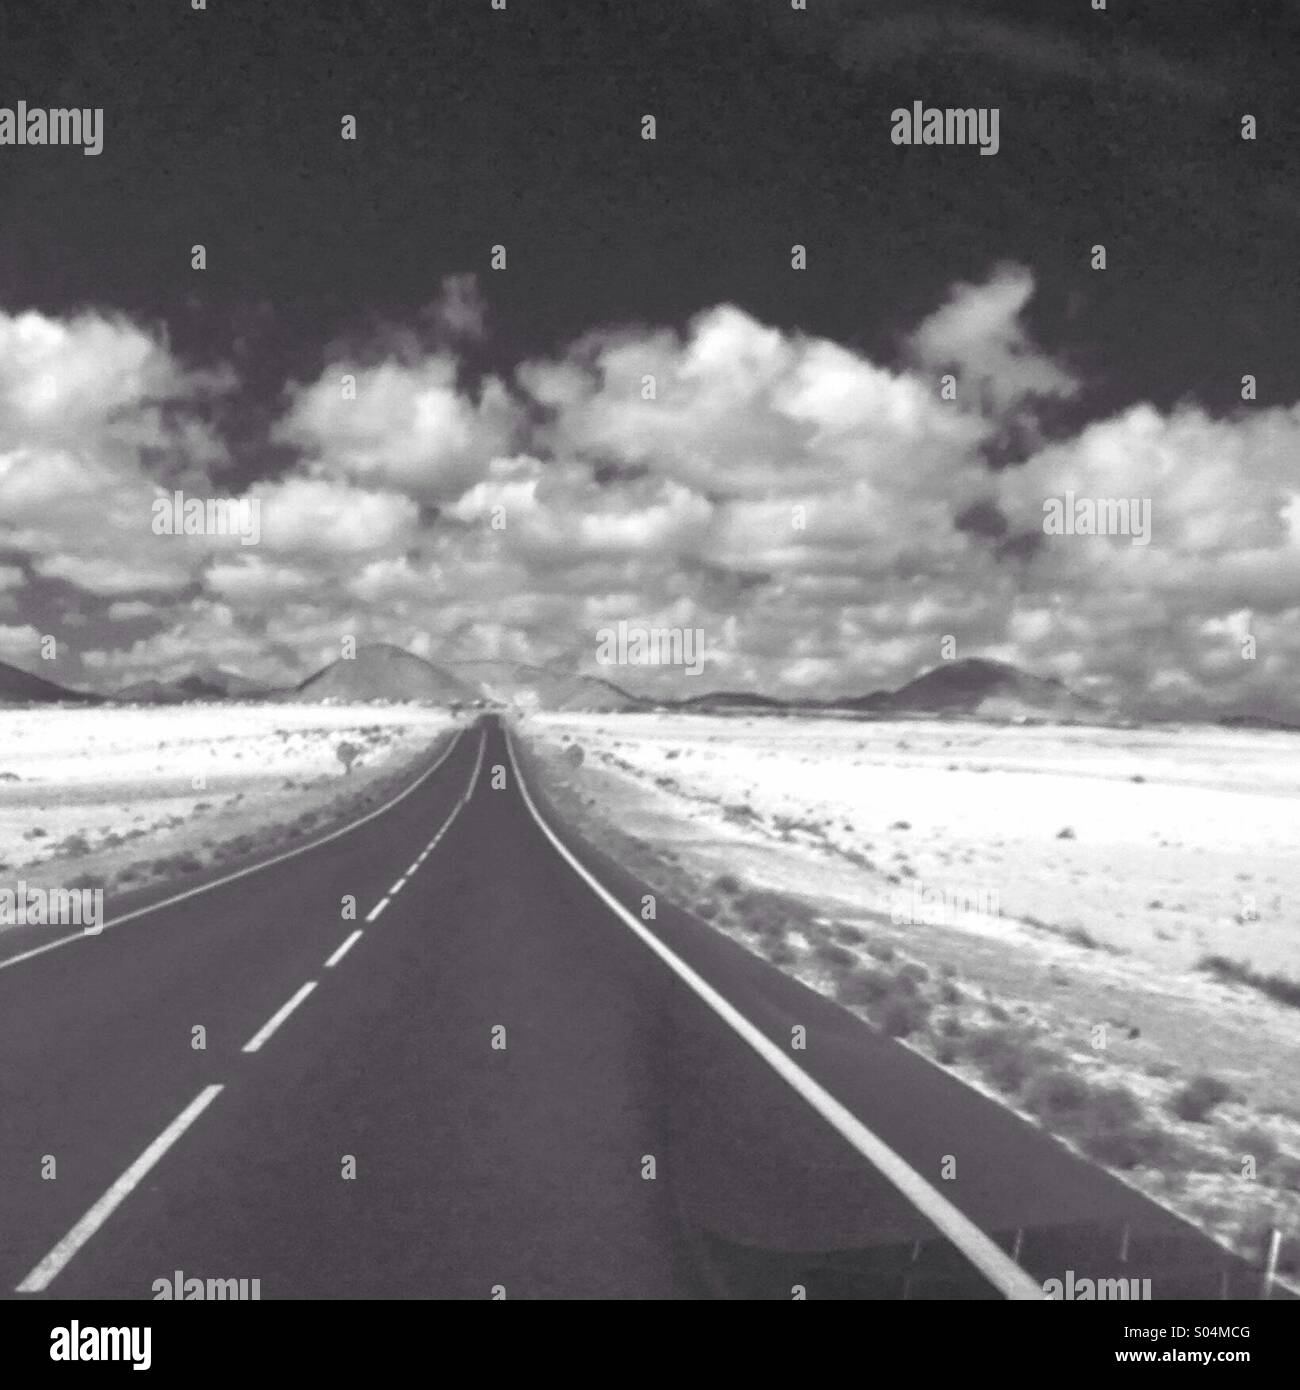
376	1139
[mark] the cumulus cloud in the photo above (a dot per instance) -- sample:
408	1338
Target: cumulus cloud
129	610
460	313
405	425
826	519
318	517
560	513
742	409
979	333
96	418
1223	560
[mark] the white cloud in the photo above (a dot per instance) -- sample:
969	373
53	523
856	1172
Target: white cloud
317	518
979	332
95	415
109	575
130	609
796	500
409	428
744	409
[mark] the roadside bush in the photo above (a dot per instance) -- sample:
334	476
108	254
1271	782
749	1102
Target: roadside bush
768	913
1112	1129
1279	988
830	953
862	987
1056	1094
183	863
900	1017
1199	1097
1258	1144
1004	1056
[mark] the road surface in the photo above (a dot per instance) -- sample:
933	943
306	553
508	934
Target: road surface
490	1084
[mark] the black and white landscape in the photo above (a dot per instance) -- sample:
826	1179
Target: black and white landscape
649	651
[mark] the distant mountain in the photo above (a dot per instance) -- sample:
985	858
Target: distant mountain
1256	721
18	687
148	693
971	686
382	672
541	687
216	682
731	699
212	683
976	685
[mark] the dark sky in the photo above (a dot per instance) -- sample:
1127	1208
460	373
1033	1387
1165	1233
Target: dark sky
522	127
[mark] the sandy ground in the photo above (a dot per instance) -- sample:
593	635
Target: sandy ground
1053	891
127	797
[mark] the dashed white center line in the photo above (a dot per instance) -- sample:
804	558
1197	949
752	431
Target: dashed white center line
276	1019
49	1268
44	1273
344	949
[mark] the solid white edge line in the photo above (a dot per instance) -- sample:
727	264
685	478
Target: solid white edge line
376	910
41	1277
277	1018
239	873
344	949
985	1254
